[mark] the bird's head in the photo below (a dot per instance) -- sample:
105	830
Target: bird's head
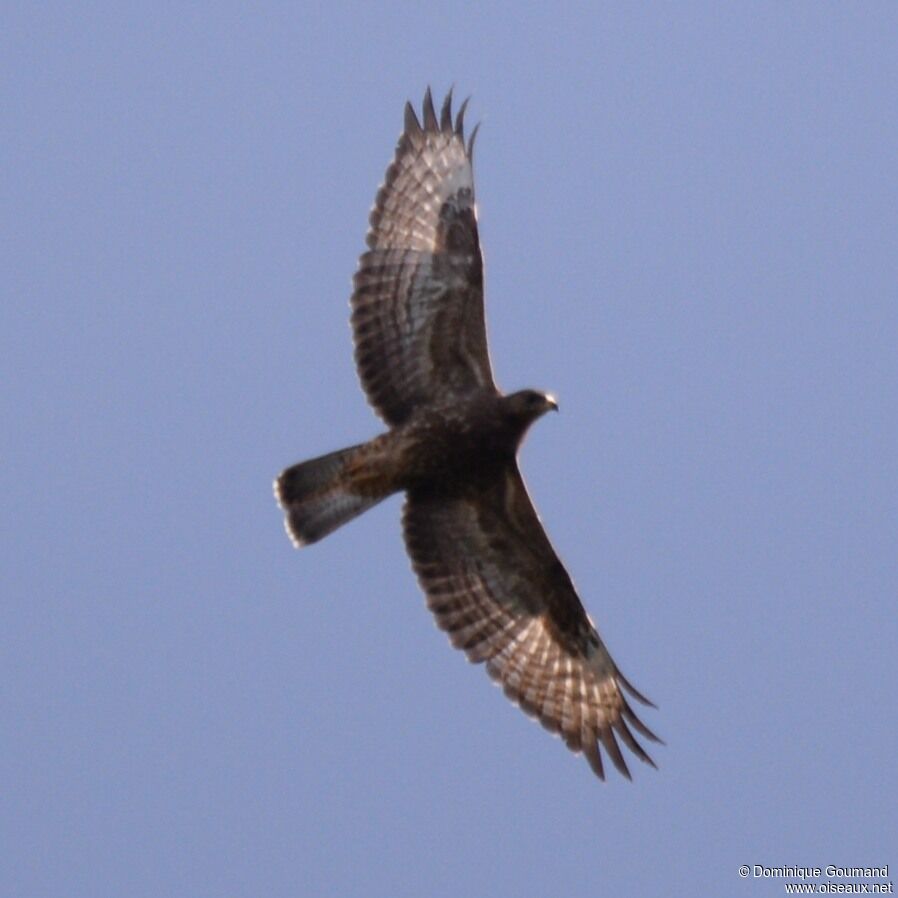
528	405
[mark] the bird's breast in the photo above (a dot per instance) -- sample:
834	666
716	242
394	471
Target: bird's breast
452	445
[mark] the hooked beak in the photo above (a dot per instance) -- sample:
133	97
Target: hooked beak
552	402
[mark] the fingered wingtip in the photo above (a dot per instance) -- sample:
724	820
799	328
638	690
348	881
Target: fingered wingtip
446	122
446	114
642	699
471	140
460	119
430	115
412	125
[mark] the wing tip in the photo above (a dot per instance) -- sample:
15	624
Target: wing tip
470	147
460	119
411	123
414	128
430	115
606	737
642	699
446	113
594	758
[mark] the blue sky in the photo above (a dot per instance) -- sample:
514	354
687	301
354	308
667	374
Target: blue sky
690	223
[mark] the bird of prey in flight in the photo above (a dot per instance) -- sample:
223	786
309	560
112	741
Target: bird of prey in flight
490	574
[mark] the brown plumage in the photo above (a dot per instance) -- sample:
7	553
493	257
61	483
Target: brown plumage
491	576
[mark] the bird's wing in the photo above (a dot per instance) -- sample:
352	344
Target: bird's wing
417	305
497	587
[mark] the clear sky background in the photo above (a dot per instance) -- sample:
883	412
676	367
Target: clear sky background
690	221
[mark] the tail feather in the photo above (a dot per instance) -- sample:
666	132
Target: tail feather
317	496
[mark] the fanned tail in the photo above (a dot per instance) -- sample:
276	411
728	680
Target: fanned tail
322	494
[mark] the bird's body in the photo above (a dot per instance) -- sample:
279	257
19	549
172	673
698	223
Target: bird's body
453	446
491	576
466	439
